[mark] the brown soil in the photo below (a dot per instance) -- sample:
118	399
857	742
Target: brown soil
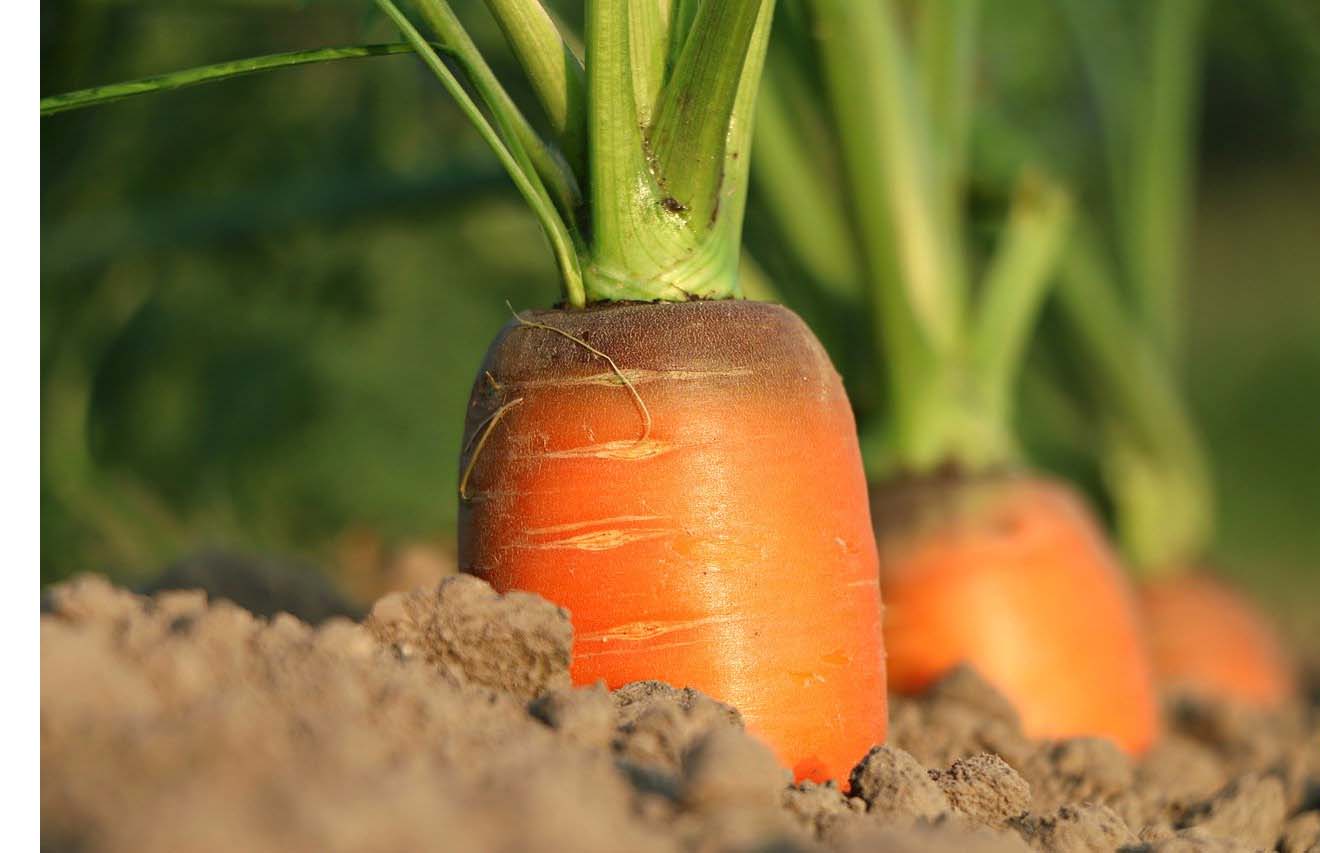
445	721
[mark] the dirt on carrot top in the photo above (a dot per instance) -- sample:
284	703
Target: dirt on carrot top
445	720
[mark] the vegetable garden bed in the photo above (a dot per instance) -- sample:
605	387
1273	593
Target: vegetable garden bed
446	721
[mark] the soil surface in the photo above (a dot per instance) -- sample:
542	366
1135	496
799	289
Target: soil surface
446	721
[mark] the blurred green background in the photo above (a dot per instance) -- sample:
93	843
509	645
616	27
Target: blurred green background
263	301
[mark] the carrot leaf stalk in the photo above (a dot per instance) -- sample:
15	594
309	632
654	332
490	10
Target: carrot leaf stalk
1123	309
546	162
505	143
98	95
1015	285
952	350
1162	167
555	72
667	199
946	43
1154	463
810	219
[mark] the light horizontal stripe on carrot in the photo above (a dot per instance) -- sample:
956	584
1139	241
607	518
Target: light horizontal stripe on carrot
602	540
639	631
625	449
579	525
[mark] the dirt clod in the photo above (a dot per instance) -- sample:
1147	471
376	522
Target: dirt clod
818	808
1076	829
960	716
726	766
894	785
985	789
1077	770
1250	809
583	716
517	643
658	723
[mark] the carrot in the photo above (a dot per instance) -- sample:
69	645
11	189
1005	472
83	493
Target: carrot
682	475
1206	638
678	469
1013	575
704	523
982	562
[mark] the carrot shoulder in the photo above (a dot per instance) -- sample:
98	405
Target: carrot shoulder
697	502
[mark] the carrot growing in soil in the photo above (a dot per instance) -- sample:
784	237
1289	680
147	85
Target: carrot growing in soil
683	475
1122	300
677	467
983	562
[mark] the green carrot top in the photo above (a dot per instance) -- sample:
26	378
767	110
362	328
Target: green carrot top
641	179
642	187
897	112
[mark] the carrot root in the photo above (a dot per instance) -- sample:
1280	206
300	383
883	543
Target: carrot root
728	550
1012	576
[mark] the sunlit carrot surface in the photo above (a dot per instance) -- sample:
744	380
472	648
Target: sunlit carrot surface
1207	638
707	527
1012	576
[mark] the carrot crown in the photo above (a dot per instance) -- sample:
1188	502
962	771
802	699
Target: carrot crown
897	111
642	183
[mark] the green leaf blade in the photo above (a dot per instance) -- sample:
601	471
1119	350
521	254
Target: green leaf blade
220	71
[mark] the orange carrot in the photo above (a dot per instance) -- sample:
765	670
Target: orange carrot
1013	576
696	501
1207	638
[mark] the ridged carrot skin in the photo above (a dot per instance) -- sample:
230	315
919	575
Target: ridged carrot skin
1012	575
1207	638
711	531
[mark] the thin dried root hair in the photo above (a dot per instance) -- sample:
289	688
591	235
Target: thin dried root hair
627	383
479	436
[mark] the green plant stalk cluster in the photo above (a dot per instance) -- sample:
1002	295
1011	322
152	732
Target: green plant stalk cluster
663	102
1124	315
642	185
900	112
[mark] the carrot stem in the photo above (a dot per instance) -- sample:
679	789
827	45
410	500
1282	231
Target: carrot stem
515	128
625	225
950	363
98	95
804	205
507	149
690	134
1156	467
555	72
1163	155
946	47
1154	462
648	37
1015	286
